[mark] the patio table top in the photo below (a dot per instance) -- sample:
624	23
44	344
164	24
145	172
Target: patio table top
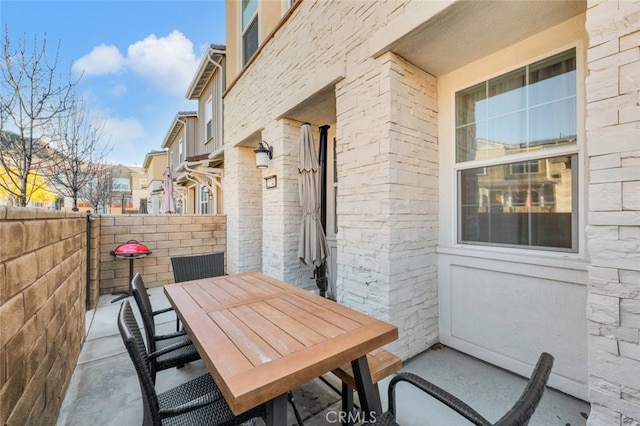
261	337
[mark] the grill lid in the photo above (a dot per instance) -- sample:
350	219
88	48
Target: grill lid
131	248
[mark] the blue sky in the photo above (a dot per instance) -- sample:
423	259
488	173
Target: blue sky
138	59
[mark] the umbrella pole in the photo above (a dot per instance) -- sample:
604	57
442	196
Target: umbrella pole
321	271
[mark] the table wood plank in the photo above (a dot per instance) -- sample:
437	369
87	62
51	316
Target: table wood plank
247	339
312	321
341	321
296	329
278	338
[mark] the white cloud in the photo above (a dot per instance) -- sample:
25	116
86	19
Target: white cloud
118	90
125	137
102	60
169	63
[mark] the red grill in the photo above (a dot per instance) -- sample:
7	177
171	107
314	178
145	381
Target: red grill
130	250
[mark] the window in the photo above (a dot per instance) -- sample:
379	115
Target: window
121	184
181	150
249	29
208	119
529	112
204	199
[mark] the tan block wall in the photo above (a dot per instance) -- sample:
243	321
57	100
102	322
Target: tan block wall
42	310
165	235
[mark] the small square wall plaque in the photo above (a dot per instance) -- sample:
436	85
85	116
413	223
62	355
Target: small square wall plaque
271	181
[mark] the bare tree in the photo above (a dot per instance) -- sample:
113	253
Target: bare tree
97	191
32	96
76	140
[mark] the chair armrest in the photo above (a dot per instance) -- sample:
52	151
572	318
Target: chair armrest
163	351
180	333
162	311
438	393
194	404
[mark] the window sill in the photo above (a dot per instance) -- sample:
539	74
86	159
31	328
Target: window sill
523	256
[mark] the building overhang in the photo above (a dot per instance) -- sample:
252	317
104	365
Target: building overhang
177	125
206	69
439	37
201	172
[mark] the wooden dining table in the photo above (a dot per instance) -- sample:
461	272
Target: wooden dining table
261	337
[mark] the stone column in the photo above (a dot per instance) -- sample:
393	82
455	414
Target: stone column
243	208
387	203
613	229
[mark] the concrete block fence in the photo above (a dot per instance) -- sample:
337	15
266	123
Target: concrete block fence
164	235
45	264
42	310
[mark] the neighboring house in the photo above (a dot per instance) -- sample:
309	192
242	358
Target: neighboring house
139	188
483	185
155	162
128	187
194	141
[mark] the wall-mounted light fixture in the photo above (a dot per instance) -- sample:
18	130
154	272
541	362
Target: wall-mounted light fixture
264	153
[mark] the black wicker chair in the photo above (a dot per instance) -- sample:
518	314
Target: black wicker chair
182	349
195	267
187	268
519	414
196	402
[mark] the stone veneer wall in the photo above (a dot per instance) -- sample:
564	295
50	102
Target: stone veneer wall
42	310
613	232
387	169
165	235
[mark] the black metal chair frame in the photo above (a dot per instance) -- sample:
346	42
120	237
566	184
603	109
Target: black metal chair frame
177	348
519	414
196	402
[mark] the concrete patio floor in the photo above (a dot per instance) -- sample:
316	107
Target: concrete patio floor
104	389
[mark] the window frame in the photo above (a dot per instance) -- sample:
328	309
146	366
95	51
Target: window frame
254	19
203	200
575	151
208	119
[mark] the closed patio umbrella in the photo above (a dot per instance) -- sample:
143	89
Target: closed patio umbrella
313	248
168	202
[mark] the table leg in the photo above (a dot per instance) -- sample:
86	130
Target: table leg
277	411
367	391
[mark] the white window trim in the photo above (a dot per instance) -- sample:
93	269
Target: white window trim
449	242
256	15
201	203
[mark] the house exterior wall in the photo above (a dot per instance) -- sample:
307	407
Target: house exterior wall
214	89
367	261
523	293
155	165
42	310
193	145
613	231
270	14
396	191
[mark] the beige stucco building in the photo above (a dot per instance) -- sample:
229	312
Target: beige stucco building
482	186
195	138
